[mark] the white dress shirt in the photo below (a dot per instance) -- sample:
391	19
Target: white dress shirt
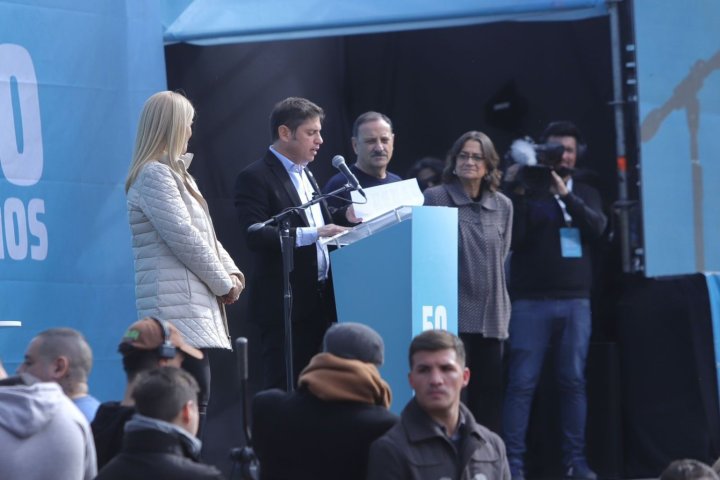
307	235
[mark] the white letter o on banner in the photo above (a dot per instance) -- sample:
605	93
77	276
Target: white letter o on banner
21	149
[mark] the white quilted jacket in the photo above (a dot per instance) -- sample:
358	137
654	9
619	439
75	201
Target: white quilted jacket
180	267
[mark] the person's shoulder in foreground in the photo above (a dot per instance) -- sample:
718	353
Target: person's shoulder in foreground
323	429
43	435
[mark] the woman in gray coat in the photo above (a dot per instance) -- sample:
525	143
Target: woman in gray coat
182	273
470	184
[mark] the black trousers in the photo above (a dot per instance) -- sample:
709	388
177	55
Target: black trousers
200	370
484	393
307	334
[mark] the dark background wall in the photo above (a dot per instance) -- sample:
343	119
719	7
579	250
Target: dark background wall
434	85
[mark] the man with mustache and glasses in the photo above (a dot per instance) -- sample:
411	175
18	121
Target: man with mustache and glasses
372	141
437	436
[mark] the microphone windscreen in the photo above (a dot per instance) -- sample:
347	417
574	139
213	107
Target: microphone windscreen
523	152
241	347
337	161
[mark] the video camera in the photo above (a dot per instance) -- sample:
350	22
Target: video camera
533	163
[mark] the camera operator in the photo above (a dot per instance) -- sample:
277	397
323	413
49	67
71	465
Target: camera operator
556	220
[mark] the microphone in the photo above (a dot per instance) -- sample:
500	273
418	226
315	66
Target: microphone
241	345
255	227
339	162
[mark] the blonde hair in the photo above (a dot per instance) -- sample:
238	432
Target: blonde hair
162	130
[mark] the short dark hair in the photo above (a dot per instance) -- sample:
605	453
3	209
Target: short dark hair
369	117
688	469
492	161
431	163
436	340
67	342
162	392
562	128
292	112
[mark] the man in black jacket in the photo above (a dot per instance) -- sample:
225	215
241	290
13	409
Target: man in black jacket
160	442
323	430
277	182
550	278
148	343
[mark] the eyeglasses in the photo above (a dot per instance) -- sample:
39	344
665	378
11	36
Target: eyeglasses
464	156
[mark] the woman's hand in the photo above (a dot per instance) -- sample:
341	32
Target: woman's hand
234	293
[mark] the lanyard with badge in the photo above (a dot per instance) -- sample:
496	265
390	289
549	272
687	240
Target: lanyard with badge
570	243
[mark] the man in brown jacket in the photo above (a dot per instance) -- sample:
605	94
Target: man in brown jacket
437	436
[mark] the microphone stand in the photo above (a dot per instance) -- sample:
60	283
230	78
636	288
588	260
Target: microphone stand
244	456
287	245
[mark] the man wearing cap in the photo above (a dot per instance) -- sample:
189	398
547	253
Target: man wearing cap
323	430
148	343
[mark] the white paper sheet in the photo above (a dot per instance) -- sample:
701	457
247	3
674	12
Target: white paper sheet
385	198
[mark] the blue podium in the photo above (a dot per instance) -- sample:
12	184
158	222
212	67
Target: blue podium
398	275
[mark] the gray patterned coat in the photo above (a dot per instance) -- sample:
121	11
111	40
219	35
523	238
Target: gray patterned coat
180	267
485	229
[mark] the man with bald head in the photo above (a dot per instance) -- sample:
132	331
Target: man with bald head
63	356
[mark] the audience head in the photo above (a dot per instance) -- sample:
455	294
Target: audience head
437	371
463	149
427	171
354	341
59	355
165	127
168	394
151	343
688	469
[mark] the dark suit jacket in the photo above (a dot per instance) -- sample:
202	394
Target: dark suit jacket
298	436
262	190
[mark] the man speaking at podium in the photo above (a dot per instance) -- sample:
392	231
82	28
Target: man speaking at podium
278	181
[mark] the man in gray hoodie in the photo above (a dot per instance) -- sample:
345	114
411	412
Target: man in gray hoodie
43	435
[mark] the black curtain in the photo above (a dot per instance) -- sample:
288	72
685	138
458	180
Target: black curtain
669	382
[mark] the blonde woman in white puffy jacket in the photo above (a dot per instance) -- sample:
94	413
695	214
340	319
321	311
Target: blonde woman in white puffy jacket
182	273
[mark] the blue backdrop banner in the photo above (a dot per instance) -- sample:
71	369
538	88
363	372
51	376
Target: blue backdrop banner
73	78
211	22
678	64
